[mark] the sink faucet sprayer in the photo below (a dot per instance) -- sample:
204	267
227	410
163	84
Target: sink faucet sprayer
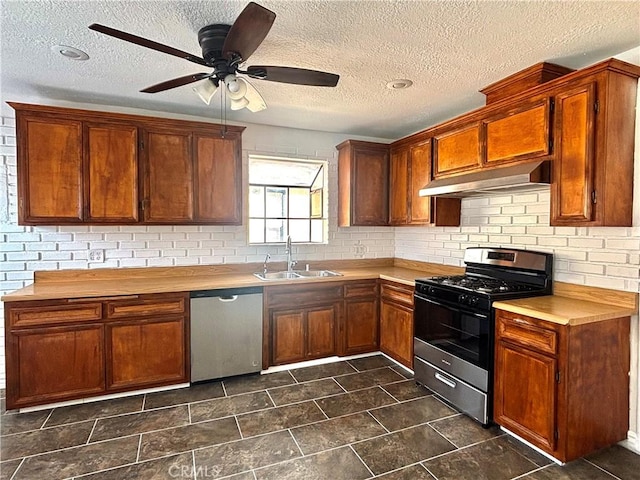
290	262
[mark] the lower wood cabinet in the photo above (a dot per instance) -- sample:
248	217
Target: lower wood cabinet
54	364
146	352
396	321
302	322
360	324
66	349
564	389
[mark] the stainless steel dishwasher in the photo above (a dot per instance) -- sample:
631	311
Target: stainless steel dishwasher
226	332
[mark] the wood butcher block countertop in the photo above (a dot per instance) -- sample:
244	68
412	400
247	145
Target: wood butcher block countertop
572	311
570	304
137	281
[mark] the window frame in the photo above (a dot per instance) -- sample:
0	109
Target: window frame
322	216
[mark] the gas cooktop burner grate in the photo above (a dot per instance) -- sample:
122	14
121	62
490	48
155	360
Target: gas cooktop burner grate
482	284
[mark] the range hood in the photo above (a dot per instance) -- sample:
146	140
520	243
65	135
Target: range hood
513	177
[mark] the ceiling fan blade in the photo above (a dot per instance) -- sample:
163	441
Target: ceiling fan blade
144	42
299	76
248	31
176	82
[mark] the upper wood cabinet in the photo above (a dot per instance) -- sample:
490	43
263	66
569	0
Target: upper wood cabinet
50	170
80	166
594	130
410	170
363	176
168	176
111	178
457	150
218	178
532	122
573	169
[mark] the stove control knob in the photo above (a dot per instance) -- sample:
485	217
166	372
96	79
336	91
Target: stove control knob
473	301
432	290
462	299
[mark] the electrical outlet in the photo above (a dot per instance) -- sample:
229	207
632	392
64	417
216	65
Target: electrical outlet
96	256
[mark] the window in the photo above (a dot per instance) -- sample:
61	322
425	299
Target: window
286	197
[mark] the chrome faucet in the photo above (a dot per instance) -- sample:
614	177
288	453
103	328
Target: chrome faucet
290	261
264	267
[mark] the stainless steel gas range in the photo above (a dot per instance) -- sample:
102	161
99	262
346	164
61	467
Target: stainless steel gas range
454	322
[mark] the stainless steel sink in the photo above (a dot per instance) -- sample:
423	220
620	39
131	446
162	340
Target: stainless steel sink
277	275
284	275
317	273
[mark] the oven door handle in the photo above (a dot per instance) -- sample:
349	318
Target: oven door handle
449	307
445	380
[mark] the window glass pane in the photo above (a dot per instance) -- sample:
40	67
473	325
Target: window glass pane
299	203
317	229
256	201
316	204
282	172
256	230
276	231
299	230
276	206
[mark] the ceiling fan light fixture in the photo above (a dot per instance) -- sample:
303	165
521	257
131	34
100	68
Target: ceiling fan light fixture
239	104
206	90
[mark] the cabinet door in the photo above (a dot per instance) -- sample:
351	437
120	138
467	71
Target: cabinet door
287	336
321	331
49	364
146	353
218	189
525	394
419	175
396	332
111	185
522	132
572	190
49	170
399	187
361	325
168	177
370	204
457	150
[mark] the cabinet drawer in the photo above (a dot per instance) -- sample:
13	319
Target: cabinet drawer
361	289
303	295
526	331
161	305
397	293
54	314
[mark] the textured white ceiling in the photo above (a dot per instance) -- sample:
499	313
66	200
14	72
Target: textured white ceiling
449	49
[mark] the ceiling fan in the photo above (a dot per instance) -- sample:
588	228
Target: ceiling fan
225	48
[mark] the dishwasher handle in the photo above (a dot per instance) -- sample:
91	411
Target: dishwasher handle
226	292
231	298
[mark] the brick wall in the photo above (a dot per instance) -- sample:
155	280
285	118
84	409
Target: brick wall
601	257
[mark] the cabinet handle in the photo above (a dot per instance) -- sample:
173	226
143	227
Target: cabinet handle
445	362
445	380
520	321
119	297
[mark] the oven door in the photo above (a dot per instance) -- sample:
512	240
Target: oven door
455	330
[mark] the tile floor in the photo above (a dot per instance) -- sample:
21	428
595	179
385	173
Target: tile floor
350	420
